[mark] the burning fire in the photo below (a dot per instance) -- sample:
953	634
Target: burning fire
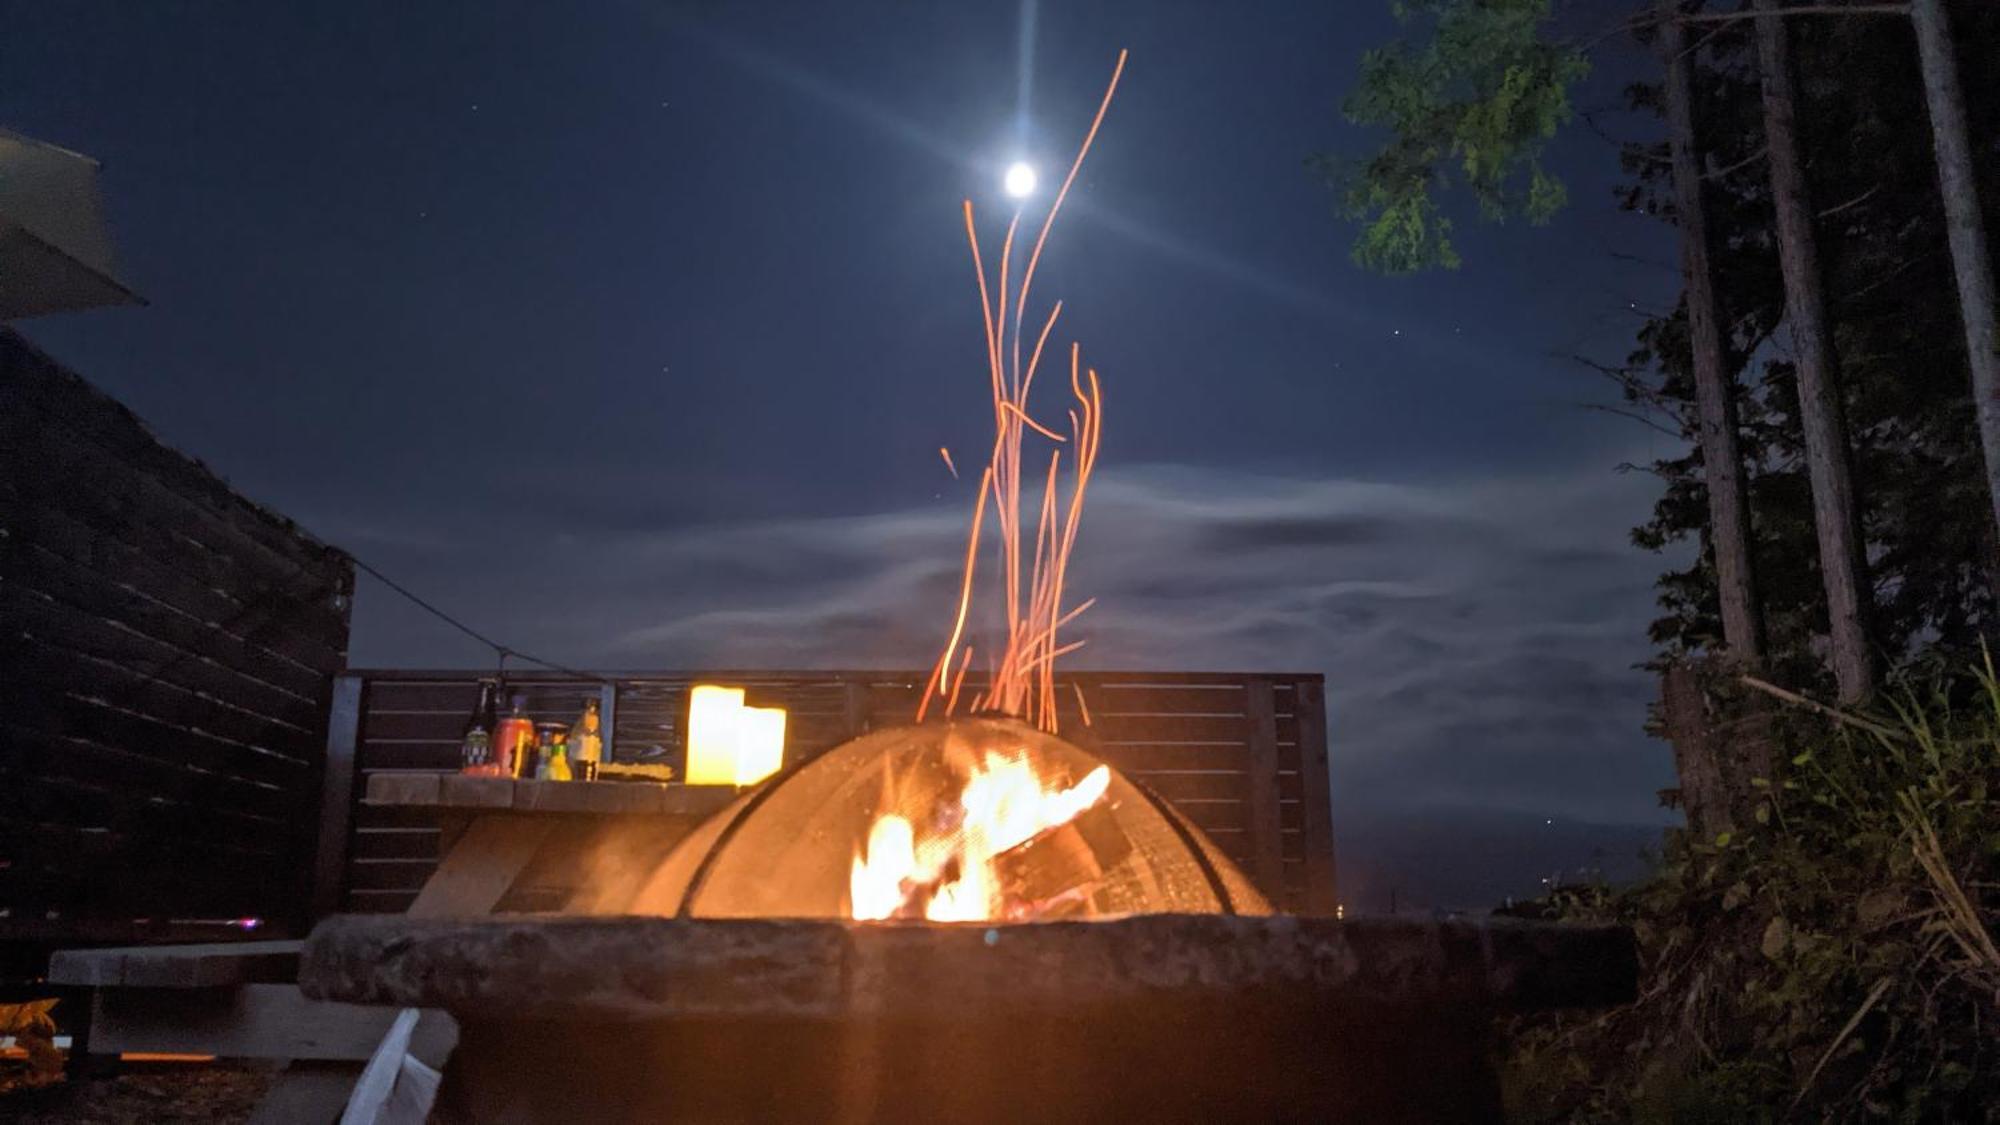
953	873
977	854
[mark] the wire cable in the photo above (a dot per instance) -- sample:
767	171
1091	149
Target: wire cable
501	650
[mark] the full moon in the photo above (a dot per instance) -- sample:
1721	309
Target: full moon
1020	181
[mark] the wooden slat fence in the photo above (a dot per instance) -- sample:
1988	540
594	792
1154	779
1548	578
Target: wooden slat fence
1242	755
167	653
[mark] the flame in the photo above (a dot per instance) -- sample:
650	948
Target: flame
948	874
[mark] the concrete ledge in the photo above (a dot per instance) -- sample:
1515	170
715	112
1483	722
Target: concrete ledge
645	969
451	790
211	965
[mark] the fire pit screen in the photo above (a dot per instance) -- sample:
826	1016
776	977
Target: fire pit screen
970	820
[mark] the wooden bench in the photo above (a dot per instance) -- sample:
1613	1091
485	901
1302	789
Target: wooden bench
505	843
235	999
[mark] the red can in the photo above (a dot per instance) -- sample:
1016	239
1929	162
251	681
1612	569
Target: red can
511	741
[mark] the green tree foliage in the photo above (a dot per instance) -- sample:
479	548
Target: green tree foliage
1834	961
1892	305
1474	105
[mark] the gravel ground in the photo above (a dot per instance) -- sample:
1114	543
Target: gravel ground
162	1095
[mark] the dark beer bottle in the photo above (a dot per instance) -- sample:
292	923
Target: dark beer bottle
475	744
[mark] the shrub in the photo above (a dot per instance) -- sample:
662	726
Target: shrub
1834	961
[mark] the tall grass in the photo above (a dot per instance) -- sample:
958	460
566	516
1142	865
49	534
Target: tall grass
1835	961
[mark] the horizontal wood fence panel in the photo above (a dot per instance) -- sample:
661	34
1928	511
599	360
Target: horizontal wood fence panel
1187	736
102	554
167	650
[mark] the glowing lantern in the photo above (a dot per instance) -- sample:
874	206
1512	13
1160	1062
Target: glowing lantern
728	743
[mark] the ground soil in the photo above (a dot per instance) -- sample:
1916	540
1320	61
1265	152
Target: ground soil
152	1095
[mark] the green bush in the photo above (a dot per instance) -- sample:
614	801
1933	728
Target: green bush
1834	961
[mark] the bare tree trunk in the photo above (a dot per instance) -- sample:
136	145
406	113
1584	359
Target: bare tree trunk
1842	561
1965	228
1722	464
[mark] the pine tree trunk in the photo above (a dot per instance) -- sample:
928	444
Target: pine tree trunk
1722	464
1842	561
1965	228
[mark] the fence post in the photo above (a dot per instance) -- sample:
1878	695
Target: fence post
607	720
1266	838
1316	799
336	809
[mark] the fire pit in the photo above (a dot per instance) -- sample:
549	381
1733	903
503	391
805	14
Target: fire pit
1161	1017
1120	966
983	819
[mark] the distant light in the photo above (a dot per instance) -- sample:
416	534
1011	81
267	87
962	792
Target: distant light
1020	181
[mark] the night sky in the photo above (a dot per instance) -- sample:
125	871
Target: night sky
629	332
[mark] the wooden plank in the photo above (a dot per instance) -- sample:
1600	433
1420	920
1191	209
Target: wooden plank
627	851
855	709
85	590
389	875
90	763
210	965
60	713
437	755
50	665
459	791
482	865
81	447
395	843
367	816
1316	801
1262	782
38	786
392	727
378	902
1184	785
604	798
145	561
1231	729
148	516
1171	756
254	1021
1211	699
117	878
307	1092
1222	819
404	788
336	810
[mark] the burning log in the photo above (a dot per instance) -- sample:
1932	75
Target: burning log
1053	873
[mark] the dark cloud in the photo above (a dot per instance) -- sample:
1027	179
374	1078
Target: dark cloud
1256	533
1478	639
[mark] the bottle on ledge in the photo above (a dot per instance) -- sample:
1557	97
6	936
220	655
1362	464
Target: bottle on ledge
586	743
475	745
